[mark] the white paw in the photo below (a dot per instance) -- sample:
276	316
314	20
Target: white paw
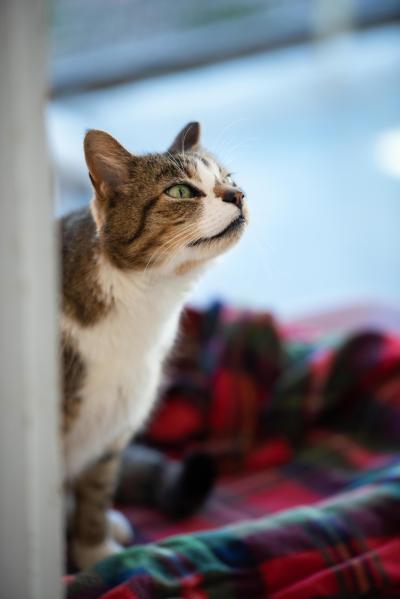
119	527
85	556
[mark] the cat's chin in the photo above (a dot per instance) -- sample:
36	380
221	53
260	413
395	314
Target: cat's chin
232	231
207	248
200	252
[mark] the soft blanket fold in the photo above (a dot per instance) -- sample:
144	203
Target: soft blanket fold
307	436
348	547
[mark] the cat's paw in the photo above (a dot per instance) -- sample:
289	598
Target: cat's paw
85	556
119	527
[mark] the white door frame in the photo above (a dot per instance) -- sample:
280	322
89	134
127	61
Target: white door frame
30	491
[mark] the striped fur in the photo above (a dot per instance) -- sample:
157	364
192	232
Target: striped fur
128	265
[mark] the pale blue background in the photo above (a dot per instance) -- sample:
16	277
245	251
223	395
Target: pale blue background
301	128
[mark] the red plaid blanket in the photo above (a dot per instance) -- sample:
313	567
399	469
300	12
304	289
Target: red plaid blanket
307	437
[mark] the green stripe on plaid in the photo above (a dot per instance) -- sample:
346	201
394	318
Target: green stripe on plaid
308	436
349	547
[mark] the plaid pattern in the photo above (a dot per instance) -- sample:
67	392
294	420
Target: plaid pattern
292	423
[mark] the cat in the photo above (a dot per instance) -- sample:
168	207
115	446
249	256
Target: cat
128	263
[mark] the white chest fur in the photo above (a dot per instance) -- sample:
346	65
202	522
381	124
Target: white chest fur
123	355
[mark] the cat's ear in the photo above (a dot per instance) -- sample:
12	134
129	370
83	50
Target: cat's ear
187	139
108	162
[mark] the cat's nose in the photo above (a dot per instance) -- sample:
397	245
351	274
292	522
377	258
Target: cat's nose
234	196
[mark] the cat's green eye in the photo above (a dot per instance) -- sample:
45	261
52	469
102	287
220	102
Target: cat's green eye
180	191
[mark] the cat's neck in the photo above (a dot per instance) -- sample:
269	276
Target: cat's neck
151	289
94	288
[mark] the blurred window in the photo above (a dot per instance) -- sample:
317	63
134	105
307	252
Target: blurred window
97	42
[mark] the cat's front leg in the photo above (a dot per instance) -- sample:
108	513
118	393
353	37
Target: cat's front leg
98	531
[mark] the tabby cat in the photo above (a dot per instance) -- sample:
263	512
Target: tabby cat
128	263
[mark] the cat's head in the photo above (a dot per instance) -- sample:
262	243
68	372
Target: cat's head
168	211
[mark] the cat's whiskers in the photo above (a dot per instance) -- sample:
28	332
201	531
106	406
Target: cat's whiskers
182	235
179	159
183	141
171	243
230	151
174	248
161	251
218	138
178	164
176	241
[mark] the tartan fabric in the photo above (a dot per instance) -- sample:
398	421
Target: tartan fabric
306	434
347	548
238	380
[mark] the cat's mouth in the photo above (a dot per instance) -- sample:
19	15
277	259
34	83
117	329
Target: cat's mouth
235	225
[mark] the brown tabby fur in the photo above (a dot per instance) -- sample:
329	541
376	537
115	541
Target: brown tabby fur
129	218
